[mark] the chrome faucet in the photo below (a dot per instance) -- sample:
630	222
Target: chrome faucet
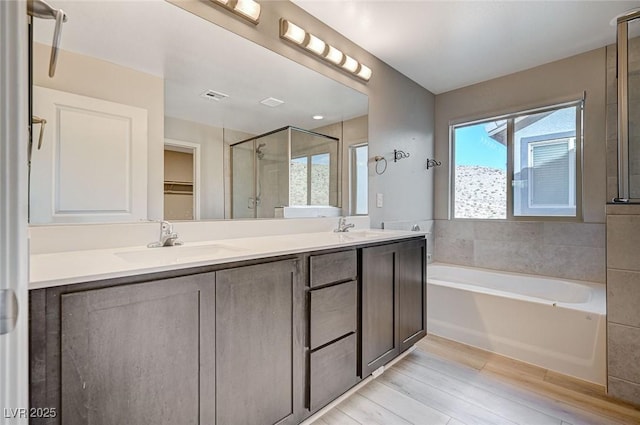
343	226
167	236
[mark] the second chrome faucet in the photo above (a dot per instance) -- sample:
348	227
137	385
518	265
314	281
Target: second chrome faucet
167	236
343	226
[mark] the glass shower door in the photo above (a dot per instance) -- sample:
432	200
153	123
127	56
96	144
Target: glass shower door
629	108
286	167
272	173
243	197
633	91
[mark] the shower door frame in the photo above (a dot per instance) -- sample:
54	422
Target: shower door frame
289	130
253	140
622	42
254	166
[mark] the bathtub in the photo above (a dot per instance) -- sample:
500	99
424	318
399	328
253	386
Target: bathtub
553	323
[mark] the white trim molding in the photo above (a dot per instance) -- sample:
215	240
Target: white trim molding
14	244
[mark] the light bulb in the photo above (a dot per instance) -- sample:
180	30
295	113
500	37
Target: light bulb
248	8
292	32
334	55
364	72
316	45
350	64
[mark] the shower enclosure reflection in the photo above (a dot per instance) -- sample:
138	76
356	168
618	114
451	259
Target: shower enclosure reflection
288	167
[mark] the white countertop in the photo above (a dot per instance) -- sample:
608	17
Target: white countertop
63	268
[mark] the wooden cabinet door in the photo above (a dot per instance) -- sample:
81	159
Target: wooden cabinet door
256	355
379	306
412	291
132	354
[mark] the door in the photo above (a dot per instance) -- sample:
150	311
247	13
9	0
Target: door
256	356
272	173
379	306
412	291
393	301
134	354
243	195
92	165
13	206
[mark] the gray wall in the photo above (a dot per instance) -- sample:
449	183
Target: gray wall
210	140
570	250
400	111
543	85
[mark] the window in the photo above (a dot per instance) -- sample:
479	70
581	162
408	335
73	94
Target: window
299	190
480	172
358	184
310	177
319	179
519	165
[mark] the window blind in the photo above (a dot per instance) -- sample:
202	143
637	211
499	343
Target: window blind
550	174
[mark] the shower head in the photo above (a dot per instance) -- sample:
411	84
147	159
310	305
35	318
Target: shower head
259	152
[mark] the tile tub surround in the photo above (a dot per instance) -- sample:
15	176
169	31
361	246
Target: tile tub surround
623	299
559	249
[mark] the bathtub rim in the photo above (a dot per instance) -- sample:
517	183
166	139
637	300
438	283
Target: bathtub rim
596	304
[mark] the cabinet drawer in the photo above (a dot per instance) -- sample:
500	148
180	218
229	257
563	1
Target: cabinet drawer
333	371
334	267
333	312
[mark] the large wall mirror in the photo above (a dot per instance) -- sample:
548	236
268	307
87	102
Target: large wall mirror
157	113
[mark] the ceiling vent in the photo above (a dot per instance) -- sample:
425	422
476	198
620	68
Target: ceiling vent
214	95
271	102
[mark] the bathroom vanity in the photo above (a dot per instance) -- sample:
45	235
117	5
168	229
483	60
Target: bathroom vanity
257	337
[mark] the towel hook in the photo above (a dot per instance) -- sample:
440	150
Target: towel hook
398	155
42	122
431	163
41	9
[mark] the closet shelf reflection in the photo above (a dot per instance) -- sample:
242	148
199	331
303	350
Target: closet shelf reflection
178	187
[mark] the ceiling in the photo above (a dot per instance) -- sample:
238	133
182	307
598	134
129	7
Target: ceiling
193	55
444	45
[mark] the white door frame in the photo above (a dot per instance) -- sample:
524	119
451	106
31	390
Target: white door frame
196	149
14	243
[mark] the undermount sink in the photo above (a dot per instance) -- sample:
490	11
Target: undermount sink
369	233
360	235
178	254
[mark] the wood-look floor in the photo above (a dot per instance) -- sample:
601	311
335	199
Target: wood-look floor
446	383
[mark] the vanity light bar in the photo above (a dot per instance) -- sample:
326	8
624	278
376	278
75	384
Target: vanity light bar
298	36
247	9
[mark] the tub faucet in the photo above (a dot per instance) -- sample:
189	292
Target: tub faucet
343	226
167	236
